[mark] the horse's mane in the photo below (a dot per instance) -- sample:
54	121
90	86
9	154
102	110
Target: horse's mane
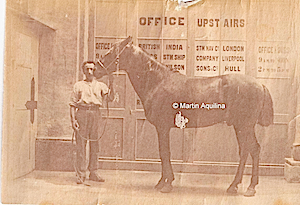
155	65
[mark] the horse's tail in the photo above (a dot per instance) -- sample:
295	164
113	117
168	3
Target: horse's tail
267	113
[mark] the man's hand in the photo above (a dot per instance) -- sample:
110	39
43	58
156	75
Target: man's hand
75	125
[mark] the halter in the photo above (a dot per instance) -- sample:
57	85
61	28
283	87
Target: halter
115	60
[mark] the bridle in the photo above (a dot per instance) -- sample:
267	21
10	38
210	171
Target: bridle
115	60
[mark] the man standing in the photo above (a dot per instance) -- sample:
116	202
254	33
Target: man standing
87	97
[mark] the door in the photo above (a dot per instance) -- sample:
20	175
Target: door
23	92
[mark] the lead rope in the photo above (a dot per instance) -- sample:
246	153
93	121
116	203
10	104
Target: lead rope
100	136
117	59
107	115
90	140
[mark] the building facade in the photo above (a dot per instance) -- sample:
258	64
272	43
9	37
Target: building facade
209	38
47	41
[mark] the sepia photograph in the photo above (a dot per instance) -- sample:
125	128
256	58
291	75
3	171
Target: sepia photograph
149	102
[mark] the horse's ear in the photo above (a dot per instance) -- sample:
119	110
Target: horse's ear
128	40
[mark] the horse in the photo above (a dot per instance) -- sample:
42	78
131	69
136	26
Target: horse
161	90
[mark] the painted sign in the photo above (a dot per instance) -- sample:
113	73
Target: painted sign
155	22
233	56
174	55
153	47
102	45
150	19
207	58
273	59
219	57
175	24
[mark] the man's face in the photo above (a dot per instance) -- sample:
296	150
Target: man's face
88	70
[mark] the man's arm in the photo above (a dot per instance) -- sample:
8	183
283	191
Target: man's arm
74	99
74	122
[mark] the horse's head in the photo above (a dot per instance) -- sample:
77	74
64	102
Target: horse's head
111	60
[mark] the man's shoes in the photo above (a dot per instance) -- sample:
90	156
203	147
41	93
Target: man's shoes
96	177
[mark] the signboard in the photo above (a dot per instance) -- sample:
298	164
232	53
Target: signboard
207	58
273	60
174	55
233	56
155	22
234	22
153	47
216	22
219	57
102	45
207	25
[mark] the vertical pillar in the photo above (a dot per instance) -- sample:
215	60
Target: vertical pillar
296	144
297	71
81	56
292	165
78	41
86	30
91	30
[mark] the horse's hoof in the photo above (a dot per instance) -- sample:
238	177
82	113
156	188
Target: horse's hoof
159	185
232	190
167	188
250	192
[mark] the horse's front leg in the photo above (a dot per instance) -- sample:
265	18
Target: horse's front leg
167	177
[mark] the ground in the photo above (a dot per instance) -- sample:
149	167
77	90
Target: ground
137	187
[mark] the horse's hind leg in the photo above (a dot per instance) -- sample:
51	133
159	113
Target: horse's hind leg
254	149
241	135
165	183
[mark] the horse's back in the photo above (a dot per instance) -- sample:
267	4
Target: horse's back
246	101
242	95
